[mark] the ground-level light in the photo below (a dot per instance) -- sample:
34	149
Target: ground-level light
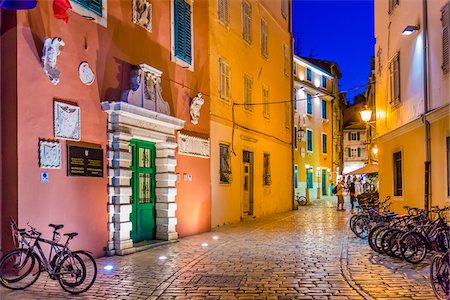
108	267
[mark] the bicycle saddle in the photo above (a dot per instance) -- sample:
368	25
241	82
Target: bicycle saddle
56	227
71	235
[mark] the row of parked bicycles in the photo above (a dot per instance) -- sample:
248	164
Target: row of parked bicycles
409	237
75	271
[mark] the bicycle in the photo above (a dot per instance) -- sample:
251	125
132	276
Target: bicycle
75	271
439	274
301	200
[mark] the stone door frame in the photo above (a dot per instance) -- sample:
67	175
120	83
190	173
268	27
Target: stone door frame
126	122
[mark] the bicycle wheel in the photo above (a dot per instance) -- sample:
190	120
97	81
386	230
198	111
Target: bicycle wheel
439	273
77	272
385	241
361	227
373	235
413	247
352	221
302	200
19	270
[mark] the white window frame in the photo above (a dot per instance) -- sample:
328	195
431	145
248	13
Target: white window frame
84	12
247	32
173	57
224	96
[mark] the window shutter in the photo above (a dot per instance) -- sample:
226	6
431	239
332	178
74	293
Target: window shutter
93	5
349	152
445	18
221	78
183	46
359	152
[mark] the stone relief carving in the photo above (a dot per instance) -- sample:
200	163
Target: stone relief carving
50	53
145	91
142	14
49	155
67	121
193	146
86	75
196	105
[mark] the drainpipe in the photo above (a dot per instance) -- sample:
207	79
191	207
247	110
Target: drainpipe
427	142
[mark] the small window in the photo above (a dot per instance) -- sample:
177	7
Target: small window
224	80
393	4
324	81
445	19
286	60
308	74
309	106
223	11
225	170
247	93
309	140
398	182
265	102
295	99
264	39
247	21
359	152
354	136
295	138
284	8
394	74
324	109
182	32
267	178
92	5
324	143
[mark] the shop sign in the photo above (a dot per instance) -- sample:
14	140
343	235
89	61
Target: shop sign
84	161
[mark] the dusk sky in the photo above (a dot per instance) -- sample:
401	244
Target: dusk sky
339	31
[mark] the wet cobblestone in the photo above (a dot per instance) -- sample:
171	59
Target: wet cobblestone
304	254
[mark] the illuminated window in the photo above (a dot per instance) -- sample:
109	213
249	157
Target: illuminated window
223	11
247	92
225	166
224	80
247	21
264	39
398	182
267	178
394	74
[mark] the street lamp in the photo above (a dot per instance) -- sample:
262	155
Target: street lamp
375	150
366	115
410	29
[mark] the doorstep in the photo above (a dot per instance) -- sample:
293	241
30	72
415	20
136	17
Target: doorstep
144	245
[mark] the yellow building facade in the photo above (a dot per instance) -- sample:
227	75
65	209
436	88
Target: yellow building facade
315	141
413	102
251	78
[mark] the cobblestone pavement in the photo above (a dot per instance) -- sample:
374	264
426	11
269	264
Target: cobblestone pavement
303	254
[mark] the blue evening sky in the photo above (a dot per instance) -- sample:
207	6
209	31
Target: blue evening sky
339	31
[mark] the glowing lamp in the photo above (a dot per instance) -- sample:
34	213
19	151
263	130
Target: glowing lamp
108	267
205	245
366	114
410	29
375	150
162	257
307	166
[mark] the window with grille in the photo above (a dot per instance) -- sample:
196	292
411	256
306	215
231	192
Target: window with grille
445	19
309	140
309	109
286	60
182	30
267	178
265	102
225	168
324	143
308	74
284	8
223	11
264	38
324	109
92	5
398	182
224	80
247	92
247	21
393	4
394	75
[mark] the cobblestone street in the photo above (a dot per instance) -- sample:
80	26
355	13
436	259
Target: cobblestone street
304	254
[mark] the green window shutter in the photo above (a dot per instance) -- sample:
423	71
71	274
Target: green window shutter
309	140
309	179
182	18
93	5
349	152
359	152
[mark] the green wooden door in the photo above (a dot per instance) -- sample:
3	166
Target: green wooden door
324	182
143	214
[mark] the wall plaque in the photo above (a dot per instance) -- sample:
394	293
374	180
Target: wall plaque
67	121
49	154
193	146
84	161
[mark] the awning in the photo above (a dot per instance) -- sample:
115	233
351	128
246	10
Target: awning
367	169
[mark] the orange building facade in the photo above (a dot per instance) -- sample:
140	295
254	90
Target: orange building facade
110	136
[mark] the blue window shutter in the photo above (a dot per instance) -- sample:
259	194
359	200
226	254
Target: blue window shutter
93	5
324	143
309	104
324	109
309	136
310	179
324	81
182	18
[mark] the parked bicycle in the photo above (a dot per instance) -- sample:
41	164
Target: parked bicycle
301	200
439	275
75	271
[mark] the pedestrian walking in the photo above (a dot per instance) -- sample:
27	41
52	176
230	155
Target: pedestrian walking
339	194
352	191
